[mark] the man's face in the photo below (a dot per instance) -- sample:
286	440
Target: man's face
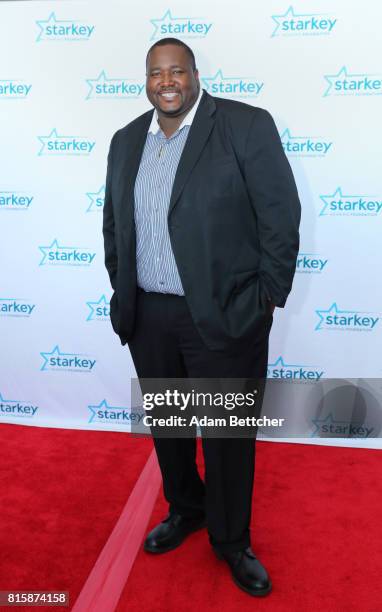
172	86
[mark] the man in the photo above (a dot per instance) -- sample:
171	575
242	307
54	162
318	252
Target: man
200	228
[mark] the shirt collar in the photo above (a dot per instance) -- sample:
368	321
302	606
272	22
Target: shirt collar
154	125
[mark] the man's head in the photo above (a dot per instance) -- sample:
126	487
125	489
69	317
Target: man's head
172	80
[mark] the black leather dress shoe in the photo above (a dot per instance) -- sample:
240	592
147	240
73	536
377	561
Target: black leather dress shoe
247	572
171	532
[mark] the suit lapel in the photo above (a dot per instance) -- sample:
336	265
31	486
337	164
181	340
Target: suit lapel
198	135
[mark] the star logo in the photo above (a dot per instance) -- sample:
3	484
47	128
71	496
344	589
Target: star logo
280	363
68	362
53	144
2	399
341	74
158	22
56	255
187	27
55	246
239	86
207	81
96	199
304	146
302	23
103	87
43	23
280	370
62	29
332	310
286	135
344	83
287	15
16	408
105	406
347	429
43	250
326	199
54	352
102	303
340	198
44	140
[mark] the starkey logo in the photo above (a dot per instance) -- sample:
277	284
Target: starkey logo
15	200
240	87
291	371
344	83
103	413
96	200
53	144
53	29
329	426
112	88
334	318
304	146
339	204
310	263
99	310
16	307
56	255
17	408
12	89
183	27
55	360
292	23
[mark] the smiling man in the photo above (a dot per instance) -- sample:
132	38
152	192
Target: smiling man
200	229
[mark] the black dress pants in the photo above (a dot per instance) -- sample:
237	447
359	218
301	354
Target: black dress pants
166	344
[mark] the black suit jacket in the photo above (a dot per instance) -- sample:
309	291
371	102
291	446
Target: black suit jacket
233	221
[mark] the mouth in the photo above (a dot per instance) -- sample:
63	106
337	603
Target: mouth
168	95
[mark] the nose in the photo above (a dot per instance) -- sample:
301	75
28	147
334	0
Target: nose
167	78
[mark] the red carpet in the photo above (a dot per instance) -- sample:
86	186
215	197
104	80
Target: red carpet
108	577
62	492
316	525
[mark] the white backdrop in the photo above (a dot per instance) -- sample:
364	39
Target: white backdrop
71	74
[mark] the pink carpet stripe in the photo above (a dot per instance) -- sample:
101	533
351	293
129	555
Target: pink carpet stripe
104	585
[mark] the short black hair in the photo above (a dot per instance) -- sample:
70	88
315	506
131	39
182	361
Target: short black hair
178	43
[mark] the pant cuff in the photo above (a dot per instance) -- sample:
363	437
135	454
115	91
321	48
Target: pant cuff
230	546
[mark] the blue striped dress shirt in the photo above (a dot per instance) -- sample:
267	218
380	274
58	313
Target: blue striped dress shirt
156	267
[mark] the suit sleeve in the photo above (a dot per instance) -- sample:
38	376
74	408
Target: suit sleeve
108	228
275	200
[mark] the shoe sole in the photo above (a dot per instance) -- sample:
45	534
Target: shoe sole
258	593
156	551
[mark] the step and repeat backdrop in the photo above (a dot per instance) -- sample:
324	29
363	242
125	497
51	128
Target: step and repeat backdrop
71	74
